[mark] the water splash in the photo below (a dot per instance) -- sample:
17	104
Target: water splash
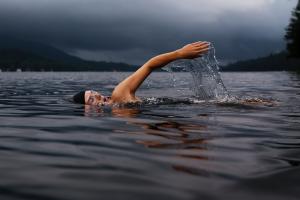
206	80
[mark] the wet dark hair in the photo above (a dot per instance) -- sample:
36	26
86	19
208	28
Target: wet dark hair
79	97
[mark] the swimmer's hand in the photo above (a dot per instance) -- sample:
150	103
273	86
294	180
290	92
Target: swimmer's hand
193	50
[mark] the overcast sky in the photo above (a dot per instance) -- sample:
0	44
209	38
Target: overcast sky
134	30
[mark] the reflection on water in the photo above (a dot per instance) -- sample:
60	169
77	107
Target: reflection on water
166	135
172	146
171	131
174	135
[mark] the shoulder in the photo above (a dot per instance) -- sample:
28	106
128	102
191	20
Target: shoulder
121	95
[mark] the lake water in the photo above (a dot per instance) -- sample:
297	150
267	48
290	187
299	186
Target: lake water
168	148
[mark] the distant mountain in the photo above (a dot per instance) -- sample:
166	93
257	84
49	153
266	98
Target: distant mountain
273	62
32	56
39	49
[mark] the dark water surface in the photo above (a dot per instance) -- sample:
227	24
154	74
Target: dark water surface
51	148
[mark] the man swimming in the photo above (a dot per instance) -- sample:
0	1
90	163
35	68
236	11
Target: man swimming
124	92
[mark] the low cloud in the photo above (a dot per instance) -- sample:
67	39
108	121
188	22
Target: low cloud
133	30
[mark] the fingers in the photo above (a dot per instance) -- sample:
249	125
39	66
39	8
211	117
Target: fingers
200	43
202	51
206	49
202	47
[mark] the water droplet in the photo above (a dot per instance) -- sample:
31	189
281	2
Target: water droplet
206	80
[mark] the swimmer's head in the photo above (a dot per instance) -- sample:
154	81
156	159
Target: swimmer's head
90	97
79	97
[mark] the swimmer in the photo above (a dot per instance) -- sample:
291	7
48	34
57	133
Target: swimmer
124	92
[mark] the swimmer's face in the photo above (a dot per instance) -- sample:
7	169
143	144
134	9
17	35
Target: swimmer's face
95	98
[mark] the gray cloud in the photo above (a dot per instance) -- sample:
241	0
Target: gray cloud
133	30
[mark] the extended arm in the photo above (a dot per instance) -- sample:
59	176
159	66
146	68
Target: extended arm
127	88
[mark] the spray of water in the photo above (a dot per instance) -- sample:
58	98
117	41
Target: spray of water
206	80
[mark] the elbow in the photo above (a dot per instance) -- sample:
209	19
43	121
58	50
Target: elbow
148	66
153	64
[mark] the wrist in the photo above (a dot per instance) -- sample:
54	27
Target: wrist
177	54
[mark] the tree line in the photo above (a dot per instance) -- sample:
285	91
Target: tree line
292	35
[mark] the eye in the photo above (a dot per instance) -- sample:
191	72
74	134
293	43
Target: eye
91	100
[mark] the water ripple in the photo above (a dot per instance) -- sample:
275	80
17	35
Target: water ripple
174	147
